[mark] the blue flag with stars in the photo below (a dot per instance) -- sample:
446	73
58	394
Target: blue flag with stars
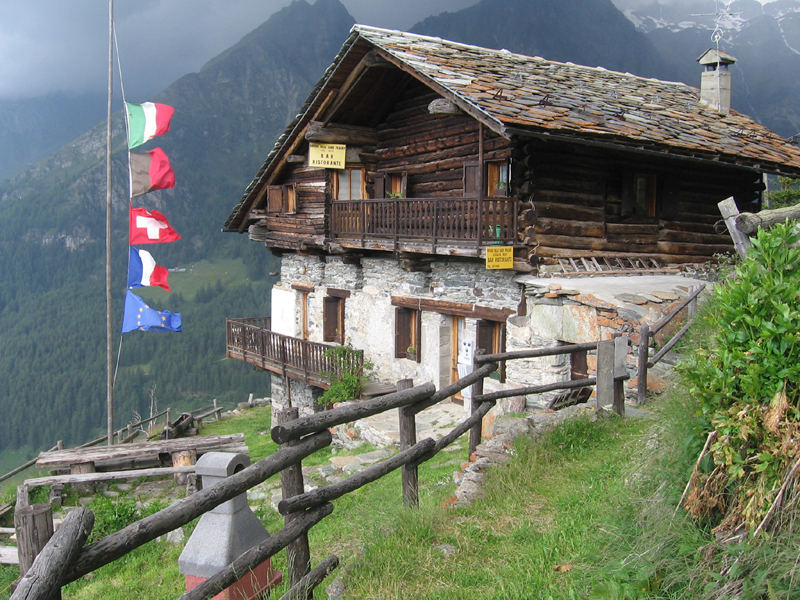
139	316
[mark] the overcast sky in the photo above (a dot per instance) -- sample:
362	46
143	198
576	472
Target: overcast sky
62	45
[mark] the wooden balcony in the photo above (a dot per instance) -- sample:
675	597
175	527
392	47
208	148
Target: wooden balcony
253	341
425	224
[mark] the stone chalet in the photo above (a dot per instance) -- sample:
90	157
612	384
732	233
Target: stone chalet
416	164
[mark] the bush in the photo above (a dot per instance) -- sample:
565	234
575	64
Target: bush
746	383
348	376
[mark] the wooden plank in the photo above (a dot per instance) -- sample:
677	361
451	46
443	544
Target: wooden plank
730	212
202	444
9	555
108	476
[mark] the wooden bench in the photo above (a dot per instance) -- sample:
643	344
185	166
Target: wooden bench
89	465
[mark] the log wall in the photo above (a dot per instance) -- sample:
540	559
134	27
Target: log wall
574	195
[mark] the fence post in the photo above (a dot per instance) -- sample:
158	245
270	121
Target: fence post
644	345
408	437
693	304
34	525
477	390
620	370
605	373
298	554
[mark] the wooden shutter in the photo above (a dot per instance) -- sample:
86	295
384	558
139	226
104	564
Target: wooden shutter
274	198
289	198
471	179
417	337
379	188
628	194
402	332
670	198
330	318
486	336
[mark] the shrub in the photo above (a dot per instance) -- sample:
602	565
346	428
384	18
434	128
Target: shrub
348	376
746	382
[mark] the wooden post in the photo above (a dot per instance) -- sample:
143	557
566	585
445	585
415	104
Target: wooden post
692	312
620	371
23	499
34	525
298	554
644	350
87	467
183	458
408	437
477	390
43	579
729	212
605	374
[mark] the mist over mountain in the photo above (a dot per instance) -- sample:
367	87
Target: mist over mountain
764	38
586	32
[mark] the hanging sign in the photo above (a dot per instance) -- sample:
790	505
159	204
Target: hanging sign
328	156
500	257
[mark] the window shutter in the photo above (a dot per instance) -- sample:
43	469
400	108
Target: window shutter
379	189
471	179
404	188
330	318
289	198
274	198
418	333
486	336
628	194
402	331
670	198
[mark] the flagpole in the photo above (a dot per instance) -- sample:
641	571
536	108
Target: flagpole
109	320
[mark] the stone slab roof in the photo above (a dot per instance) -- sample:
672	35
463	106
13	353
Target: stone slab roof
531	95
527	96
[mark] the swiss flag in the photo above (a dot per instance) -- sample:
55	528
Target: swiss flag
150	227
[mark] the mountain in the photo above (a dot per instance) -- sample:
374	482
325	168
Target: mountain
33	128
52	308
586	32
764	38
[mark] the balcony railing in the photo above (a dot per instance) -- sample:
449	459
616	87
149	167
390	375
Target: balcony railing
252	340
463	221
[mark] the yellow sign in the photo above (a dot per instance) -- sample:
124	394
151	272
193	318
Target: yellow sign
328	156
499	257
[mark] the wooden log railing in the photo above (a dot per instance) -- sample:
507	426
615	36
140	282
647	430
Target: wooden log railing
647	333
299	438
252	341
468	221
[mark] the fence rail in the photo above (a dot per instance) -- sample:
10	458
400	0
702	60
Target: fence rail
300	437
647	333
252	340
474	221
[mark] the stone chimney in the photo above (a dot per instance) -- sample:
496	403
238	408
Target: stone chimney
715	85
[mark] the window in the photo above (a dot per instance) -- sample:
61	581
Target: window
407	333
639	195
349	184
578	366
282	198
333	319
497	179
491	339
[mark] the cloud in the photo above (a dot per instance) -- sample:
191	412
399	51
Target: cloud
49	46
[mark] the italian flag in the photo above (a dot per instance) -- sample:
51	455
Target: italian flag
146	121
150	171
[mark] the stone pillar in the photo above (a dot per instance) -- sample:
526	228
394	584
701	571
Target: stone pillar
224	533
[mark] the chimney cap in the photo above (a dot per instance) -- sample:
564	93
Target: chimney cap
712	56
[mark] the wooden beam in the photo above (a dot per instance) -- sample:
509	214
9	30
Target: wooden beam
296	158
341	134
107	476
454	308
730	212
749	222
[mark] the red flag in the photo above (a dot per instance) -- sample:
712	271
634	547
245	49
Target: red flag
150	227
150	171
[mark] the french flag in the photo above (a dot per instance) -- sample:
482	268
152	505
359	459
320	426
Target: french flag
143	271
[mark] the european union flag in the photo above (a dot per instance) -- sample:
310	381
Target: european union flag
139	315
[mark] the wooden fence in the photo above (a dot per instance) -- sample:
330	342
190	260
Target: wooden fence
66	560
646	333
